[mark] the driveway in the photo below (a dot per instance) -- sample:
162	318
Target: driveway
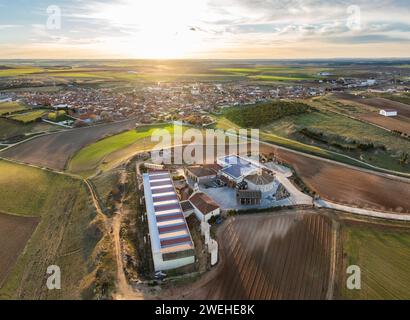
226	198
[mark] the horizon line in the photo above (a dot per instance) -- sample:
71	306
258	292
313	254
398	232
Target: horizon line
207	59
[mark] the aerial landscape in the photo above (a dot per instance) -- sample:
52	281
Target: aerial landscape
236	154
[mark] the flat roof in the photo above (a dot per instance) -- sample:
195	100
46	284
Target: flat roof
249	194
236	166
169	231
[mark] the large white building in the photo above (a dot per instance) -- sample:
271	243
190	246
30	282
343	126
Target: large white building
236	168
388	113
171	243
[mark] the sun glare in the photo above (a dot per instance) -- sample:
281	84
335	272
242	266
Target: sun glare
157	28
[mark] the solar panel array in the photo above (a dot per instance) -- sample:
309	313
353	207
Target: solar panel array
173	231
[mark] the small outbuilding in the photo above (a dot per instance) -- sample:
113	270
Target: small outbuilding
249	197
388	112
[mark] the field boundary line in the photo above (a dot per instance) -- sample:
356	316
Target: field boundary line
403	176
332	275
363	212
18	215
63	131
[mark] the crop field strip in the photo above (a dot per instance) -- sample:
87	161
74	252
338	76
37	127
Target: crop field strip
376	103
11	107
29	116
383	253
262	265
15	231
62	145
327	134
348	186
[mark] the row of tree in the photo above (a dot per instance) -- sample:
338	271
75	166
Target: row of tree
258	115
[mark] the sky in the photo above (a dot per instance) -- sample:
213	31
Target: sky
204	29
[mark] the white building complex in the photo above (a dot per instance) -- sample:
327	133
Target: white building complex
171	243
236	168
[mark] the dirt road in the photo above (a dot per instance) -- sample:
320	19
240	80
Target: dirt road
124	289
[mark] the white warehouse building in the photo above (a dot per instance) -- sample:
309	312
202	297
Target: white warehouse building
171	242
388	113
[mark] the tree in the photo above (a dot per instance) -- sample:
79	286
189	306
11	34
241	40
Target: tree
404	159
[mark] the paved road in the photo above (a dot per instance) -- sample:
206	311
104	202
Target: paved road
362	212
297	197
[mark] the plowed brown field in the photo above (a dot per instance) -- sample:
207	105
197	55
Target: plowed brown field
53	151
378	103
348	186
272	257
401	124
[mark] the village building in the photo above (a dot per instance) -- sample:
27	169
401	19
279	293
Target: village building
204	207
202	174
249	197
236	168
261	181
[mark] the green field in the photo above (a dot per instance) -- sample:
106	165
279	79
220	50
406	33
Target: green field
105	153
273	73
9	107
239	70
340	130
78	75
282	78
19	71
69	235
383	254
10	128
225	124
29	117
109	71
344	131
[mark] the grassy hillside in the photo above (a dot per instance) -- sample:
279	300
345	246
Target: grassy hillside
69	235
383	254
108	152
336	132
259	115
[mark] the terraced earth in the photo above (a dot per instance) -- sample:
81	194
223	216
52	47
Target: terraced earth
288	258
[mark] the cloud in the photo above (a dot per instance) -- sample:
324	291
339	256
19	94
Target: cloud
225	25
9	26
366	39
